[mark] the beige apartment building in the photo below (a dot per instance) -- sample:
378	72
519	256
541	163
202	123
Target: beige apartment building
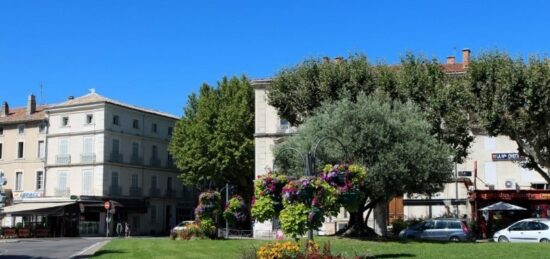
90	150
23	149
491	173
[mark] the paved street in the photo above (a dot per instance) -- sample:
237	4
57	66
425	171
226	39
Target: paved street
50	247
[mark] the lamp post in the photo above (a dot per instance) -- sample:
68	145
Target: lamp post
309	163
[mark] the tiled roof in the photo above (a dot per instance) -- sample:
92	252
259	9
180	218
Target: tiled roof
19	115
453	68
96	98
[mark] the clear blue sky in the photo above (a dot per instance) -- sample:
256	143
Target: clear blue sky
154	53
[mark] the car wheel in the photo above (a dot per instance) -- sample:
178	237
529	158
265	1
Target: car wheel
545	240
503	239
454	239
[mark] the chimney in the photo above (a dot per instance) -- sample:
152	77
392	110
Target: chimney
31	104
465	57
451	60
338	60
5	110
70	98
326	60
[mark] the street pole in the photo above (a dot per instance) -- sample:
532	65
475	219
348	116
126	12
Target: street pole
456	190
227	203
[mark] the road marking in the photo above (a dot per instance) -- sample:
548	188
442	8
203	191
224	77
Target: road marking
85	249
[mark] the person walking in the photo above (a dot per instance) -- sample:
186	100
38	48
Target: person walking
126	230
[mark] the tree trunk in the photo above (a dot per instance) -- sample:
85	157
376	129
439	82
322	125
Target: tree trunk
357	224
380	218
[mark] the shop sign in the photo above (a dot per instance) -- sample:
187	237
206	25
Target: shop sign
507	157
27	195
509	196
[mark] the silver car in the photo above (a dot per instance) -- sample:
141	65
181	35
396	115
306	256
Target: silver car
526	230
439	229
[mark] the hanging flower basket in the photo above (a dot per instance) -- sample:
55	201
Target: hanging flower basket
349	197
306	194
277	206
341	178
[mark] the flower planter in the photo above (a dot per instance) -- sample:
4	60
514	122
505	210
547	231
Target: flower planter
306	194
277	206
341	178
349	197
23	232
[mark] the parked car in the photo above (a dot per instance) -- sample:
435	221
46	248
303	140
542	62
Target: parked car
439	229
181	226
526	230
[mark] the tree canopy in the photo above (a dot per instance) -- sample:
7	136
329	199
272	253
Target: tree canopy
512	98
213	142
298	91
392	139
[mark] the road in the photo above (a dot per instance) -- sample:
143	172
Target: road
50	248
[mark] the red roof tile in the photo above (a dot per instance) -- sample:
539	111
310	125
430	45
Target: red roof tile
19	115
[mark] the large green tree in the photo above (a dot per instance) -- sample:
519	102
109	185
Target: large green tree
512	98
392	139
213	142
298	91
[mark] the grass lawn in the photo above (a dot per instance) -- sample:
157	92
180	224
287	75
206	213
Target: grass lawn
226	249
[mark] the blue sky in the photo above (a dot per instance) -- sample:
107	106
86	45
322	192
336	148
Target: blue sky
155	53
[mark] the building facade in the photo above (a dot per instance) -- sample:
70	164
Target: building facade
99	150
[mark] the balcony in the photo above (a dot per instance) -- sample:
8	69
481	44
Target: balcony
63	159
62	192
87	158
170	193
116	158
154	192
135	160
115	190
154	162
135	191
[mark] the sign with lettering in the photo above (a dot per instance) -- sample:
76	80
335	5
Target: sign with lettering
511	195
507	157
465	173
27	195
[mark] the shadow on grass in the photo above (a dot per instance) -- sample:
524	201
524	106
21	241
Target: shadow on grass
106	252
394	255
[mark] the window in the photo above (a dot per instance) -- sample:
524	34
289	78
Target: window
40	180
65	121
1	131
154	129
284	125
154	152
170	130
532	225
440	224
428	225
19	181
89	118
135	150
41	149
153	182
454	225
87	181
21	129
42	128
520	226
64	146
153	209
0	150
135	124
62	181
20	150
114	179
88	145
116	144
169	183
134	181
116	120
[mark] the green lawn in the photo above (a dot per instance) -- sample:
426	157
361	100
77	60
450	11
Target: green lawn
165	248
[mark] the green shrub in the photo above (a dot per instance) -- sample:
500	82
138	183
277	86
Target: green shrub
398	225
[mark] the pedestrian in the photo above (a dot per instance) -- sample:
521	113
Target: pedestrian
483	227
119	229
126	229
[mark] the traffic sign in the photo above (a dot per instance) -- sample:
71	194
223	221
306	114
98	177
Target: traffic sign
107	205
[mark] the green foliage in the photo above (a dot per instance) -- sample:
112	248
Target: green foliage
299	91
390	138
213	141
208	227
263	209
512	98
294	219
236	210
